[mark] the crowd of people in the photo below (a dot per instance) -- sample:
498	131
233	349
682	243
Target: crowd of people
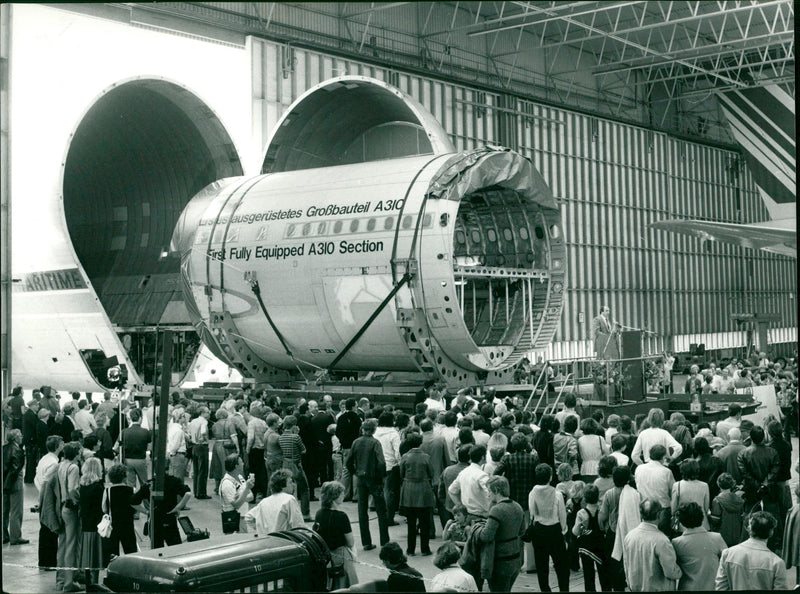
654	502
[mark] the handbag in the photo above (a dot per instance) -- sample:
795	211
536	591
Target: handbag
104	528
230	521
676	525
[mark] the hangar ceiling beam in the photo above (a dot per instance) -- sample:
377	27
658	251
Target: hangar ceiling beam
374	8
635	45
678	56
669	20
554	16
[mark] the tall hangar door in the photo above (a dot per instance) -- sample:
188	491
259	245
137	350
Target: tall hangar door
137	157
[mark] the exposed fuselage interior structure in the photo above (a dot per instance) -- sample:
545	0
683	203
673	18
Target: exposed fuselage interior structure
368	244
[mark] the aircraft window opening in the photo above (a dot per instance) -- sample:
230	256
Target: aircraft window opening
337	227
322	227
555	232
354	225
427	220
306	229
407	222
523	233
461	239
371	224
476	237
539	232
290	230
388	223
507	235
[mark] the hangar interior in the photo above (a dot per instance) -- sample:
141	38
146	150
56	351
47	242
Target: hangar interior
614	103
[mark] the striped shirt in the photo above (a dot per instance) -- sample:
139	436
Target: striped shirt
292	447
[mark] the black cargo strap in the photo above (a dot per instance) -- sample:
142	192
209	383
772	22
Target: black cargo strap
257	292
405	278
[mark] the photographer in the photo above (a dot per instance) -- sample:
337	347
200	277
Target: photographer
164	515
233	493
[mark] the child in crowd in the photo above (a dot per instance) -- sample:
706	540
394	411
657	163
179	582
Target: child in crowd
618	445
572	501
613	427
590	541
605	467
725	515
565	482
456	528
495	453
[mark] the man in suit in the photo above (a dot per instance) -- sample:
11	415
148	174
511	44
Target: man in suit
436	448
366	462
605	345
30	421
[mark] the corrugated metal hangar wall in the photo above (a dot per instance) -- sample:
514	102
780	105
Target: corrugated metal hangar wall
612	180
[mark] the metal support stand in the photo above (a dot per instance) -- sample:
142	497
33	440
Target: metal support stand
159	428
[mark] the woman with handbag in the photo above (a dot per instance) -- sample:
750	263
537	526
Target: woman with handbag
91	513
334	527
233	493
117	503
689	489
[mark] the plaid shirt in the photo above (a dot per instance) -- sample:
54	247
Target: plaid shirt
519	468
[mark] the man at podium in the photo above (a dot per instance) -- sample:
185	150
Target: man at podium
605	335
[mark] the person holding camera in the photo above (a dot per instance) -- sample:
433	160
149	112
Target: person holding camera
164	514
233	493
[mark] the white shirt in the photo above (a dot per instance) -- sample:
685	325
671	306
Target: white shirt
84	421
611	432
229	491
654	481
450	435
279	511
622	459
456	578
198	430
481	438
390	442
46	463
726	425
654	436
434	404
176	440
469	487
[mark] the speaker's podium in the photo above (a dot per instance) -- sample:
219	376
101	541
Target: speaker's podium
632	365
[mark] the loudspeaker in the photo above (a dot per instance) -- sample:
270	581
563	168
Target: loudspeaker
693	349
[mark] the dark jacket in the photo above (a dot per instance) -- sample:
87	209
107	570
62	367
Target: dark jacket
504	528
348	428
436	448
449	474
784	450
366	459
759	466
13	462
417	474
29	421
477	557
319	431
42	433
